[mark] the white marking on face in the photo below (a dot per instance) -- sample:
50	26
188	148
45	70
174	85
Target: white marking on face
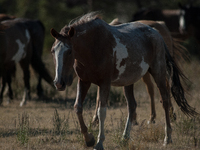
182	20
28	35
59	49
20	53
144	66
121	53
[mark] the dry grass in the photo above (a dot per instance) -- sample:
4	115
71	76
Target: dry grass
54	125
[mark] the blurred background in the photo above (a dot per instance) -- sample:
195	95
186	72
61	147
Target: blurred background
57	13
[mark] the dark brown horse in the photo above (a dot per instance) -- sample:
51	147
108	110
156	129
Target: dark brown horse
190	21
170	17
114	56
6	17
182	23
25	45
6	78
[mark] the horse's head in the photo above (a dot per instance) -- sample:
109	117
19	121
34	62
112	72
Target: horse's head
189	17
63	59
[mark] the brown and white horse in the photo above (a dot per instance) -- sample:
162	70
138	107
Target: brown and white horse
23	43
175	49
114	56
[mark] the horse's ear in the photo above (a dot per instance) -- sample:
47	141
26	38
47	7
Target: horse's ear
71	32
54	33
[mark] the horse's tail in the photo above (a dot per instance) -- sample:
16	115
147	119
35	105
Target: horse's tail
176	87
39	67
179	51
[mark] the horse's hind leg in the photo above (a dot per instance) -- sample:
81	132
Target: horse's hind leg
39	87
150	88
171	109
10	92
26	71
95	119
159	76
131	106
3	84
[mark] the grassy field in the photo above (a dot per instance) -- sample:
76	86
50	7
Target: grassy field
53	125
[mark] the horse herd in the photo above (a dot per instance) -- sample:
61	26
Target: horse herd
115	54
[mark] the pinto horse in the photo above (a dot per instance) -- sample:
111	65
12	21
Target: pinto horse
175	49
25	45
114	56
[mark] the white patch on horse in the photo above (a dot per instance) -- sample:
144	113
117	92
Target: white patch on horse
28	35
144	66
182	20
121	53
81	33
59	49
20	53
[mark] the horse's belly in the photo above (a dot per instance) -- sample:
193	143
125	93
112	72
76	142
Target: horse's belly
124	81
130	75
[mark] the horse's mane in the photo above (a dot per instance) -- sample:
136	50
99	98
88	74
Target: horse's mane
85	18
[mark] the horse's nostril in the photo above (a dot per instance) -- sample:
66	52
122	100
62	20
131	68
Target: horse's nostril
57	85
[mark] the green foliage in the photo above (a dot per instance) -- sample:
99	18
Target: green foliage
60	124
56	14
23	129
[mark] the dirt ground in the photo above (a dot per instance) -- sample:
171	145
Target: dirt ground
52	124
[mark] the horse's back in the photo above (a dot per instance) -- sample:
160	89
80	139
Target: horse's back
136	47
17	38
137	36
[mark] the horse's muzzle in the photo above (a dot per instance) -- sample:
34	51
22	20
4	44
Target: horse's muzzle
59	86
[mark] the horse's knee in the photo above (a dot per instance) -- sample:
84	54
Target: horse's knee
78	109
165	104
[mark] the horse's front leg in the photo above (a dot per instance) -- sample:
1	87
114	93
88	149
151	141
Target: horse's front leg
82	88
3	84
131	106
101	112
26	72
150	88
39	87
95	119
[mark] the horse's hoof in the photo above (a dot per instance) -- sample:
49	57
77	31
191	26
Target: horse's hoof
90	143
151	122
22	103
99	146
89	140
167	141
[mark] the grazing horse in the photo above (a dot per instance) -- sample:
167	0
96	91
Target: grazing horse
25	45
114	56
